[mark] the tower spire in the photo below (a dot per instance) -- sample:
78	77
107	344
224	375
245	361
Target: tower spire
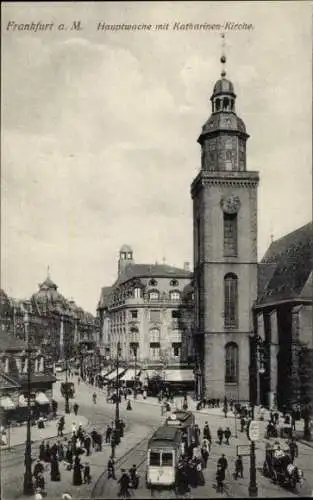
48	272
223	56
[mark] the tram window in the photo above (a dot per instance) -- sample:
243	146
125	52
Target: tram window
155	458
167	459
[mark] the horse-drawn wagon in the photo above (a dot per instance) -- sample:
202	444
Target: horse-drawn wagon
279	467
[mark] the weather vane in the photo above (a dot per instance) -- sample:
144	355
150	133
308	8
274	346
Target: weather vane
223	56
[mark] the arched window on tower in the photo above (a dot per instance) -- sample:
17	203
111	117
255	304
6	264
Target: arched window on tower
231	363
230	301
217	104
230	235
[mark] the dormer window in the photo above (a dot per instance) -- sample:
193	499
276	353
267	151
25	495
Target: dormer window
154	295
173	283
153	282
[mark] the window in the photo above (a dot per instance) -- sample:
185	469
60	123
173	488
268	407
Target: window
134	314
154	336
175	314
228	155
154	295
153	282
173	283
155	458
231	363
167	458
176	348
231	301
137	293
230	235
154	350
155	315
175	295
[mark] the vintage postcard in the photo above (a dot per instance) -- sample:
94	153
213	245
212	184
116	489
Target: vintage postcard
157	250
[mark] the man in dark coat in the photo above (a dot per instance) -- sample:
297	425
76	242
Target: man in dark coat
75	408
293	448
42	451
207	432
47	453
238	467
220	478
111	468
94	436
108	433
220	434
242	424
124	484
87	476
77	472
205	456
222	462
227	434
40	482
55	471
87	444
197	435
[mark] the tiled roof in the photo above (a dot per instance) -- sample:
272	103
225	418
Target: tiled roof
38	377
105	296
286	266
10	343
151	270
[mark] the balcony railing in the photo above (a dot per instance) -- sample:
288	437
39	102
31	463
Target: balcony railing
146	300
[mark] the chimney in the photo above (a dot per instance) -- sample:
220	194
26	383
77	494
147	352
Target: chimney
187	266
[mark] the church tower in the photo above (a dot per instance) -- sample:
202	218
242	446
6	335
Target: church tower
224	197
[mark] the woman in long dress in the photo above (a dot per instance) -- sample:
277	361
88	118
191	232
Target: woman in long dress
77	472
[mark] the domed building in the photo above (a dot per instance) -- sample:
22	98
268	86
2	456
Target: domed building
56	324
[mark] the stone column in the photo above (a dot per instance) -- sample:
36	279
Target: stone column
295	333
274	348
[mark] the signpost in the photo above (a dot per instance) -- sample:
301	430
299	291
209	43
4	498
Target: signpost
253	430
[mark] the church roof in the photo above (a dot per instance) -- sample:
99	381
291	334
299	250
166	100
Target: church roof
105	296
287	266
227	121
126	248
151	270
223	86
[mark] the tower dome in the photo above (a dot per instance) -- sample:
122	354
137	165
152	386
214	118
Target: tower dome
126	248
223	86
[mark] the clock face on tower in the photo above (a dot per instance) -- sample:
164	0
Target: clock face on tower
230	204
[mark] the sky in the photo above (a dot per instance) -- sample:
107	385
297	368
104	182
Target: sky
100	128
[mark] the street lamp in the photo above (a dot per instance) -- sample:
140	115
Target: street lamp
66	393
135	349
28	478
117	402
256	342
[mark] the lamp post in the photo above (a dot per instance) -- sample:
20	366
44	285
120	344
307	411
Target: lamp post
256	342
117	402
28	479
66	394
135	349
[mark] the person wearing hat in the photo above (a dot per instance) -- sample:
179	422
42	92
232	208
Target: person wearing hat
38	495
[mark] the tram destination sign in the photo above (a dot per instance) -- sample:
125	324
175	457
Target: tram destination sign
253	430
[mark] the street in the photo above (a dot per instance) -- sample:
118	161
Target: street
144	418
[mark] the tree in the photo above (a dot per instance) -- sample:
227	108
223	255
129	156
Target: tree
305	354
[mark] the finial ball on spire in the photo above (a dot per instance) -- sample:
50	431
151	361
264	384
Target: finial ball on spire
223	59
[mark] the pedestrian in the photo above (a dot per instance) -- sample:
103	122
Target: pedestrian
87	476
222	461
129	406
87	444
197	434
293	448
205	456
182	479
42	451
238	467
227	434
47	453
124	485
54	450
121	427
38	494
111	468
60	452
220	478
207	432
225	411
38	468
199	472
78	380
54	470
108	433
134	478
61	425
75	408
94	398
220	434
77	472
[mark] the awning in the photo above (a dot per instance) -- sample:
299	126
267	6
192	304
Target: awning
130	374
113	374
179	376
41	398
7	403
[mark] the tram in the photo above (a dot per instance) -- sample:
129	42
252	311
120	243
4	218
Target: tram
166	447
164	451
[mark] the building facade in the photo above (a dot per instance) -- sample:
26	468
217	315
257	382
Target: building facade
224	195
56	325
146	311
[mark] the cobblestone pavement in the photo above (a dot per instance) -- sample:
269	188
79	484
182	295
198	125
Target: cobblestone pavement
142	420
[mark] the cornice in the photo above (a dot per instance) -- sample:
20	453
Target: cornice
227	179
